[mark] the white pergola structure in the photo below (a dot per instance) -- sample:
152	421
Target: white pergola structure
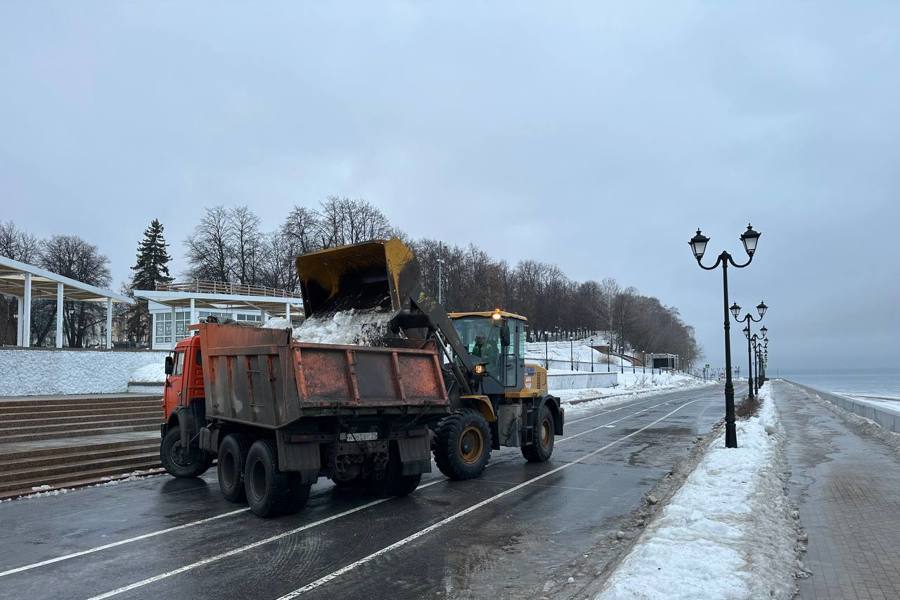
26	283
218	296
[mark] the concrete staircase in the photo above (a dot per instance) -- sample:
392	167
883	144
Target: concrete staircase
53	442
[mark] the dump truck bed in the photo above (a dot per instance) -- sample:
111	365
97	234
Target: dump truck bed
262	377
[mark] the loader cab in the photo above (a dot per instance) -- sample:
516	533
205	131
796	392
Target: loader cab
497	340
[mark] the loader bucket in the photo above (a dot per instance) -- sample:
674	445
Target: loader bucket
379	274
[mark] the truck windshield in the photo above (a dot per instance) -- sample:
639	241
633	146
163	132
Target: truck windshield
482	339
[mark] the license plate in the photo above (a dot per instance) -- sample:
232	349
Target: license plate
362	436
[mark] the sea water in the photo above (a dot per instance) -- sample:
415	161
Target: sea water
882	383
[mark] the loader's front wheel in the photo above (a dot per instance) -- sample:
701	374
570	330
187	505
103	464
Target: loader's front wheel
462	446
271	492
542	448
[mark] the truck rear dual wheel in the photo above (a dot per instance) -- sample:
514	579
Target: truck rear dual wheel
462	447
271	492
232	457
180	462
544	437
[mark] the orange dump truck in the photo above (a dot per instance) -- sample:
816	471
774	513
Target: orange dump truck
279	413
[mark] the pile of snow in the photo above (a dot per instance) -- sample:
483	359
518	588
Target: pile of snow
353	327
277	323
727	533
632	386
152	373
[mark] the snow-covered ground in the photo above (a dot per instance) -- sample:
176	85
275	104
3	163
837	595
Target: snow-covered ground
727	533
633	385
562	353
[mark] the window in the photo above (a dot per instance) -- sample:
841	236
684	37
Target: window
179	363
182	320
251	318
163	333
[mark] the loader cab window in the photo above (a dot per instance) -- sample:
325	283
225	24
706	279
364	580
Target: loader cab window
482	339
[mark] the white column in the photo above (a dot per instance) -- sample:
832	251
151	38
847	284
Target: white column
109	310
287	311
19	303
172	331
193	313
59	315
26	313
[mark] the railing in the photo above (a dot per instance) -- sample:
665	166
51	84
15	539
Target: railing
217	287
598	367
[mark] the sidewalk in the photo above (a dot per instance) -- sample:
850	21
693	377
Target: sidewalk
847	488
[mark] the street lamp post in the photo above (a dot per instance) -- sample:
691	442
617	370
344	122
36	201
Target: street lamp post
761	308
440	263
592	355
760	379
546	351
572	350
755	340
698	246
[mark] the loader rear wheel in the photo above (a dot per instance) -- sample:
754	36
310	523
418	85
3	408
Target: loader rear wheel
542	448
462	448
271	492
179	462
232	457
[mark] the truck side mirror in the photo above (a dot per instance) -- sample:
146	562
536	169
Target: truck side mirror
170	365
504	335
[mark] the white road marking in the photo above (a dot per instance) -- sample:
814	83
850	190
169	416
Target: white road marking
145	536
152	534
282	535
334	575
250	546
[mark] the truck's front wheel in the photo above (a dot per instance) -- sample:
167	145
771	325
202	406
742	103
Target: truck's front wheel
462	446
180	462
542	448
271	492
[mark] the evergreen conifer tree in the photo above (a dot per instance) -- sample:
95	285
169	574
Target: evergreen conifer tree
151	268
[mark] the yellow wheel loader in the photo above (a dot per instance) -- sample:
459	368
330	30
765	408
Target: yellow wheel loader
496	399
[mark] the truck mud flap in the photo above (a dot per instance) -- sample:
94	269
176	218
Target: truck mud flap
303	458
415	454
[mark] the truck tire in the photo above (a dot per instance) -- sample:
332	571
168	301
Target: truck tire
179	463
271	492
232	457
402	485
542	448
462	447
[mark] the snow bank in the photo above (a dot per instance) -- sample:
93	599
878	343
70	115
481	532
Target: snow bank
32	372
152	373
727	533
561	354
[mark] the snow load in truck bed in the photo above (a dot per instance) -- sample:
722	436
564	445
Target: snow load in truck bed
353	327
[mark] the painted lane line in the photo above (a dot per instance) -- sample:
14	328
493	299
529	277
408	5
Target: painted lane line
153	534
612	423
282	535
247	547
144	536
335	574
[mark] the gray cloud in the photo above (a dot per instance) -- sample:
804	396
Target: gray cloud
597	137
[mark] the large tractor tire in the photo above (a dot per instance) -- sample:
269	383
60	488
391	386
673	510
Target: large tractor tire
271	492
542	448
179	462
462	447
232	458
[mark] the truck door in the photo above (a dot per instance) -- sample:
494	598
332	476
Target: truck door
174	392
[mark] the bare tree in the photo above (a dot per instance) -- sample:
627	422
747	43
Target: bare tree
209	249
244	234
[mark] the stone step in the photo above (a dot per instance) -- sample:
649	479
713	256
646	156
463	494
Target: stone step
73	455
62	430
30	420
77	400
16	408
29	473
88	430
58	448
87	412
77	479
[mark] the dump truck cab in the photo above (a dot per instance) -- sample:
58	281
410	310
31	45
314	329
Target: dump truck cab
183	411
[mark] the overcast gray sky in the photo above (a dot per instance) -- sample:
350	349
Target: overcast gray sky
595	136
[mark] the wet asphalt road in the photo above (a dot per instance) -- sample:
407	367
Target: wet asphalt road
521	530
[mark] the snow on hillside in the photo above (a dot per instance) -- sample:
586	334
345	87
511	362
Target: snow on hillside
563	352
630	386
727	533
